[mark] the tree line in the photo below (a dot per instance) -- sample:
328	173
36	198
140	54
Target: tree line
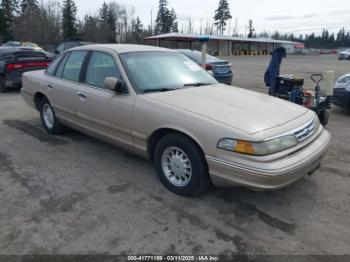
49	22
326	40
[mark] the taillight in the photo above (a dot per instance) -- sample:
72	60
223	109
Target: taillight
16	66
208	67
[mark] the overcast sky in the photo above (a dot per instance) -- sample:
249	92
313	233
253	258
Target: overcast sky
293	16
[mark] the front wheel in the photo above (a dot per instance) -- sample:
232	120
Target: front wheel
48	118
181	165
323	115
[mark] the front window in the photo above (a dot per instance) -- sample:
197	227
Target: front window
163	71
101	66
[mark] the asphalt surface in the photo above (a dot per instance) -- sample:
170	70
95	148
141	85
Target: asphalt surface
77	195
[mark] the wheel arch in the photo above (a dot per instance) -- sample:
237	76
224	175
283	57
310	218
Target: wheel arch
158	134
38	97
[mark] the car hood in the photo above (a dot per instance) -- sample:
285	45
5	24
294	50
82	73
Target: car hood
245	110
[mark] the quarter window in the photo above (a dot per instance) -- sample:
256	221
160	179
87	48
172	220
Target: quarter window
73	65
60	68
54	64
100	66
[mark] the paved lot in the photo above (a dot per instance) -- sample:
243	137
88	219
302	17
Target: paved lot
77	195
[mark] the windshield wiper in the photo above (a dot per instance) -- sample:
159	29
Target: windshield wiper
159	90
197	84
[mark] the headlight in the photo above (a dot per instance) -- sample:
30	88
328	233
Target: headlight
258	148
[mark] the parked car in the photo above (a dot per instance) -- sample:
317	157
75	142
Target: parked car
32	46
15	61
160	104
29	45
344	55
220	69
67	45
12	43
342	92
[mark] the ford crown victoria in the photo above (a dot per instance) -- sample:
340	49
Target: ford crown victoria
160	104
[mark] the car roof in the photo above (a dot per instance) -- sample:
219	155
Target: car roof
124	48
17	50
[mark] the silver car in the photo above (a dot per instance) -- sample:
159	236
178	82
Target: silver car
161	105
342	92
344	55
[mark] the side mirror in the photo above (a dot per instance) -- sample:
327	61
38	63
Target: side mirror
114	84
57	52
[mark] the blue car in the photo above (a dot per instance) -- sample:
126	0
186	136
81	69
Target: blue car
220	69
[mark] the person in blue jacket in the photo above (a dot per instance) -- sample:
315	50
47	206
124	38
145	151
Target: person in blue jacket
273	71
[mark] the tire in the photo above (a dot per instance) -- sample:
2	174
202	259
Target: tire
3	89
323	115
187	169
48	118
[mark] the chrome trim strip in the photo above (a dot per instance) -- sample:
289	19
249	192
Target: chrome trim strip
292	132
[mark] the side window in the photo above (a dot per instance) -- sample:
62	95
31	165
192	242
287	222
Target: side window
100	66
60	68
342	80
53	65
73	65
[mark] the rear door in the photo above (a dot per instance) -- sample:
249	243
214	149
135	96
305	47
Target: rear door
63	84
103	111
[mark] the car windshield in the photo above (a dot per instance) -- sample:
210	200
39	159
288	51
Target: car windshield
163	71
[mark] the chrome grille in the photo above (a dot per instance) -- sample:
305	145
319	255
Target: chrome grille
305	132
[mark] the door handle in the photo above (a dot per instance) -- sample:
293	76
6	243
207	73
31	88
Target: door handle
49	86
82	95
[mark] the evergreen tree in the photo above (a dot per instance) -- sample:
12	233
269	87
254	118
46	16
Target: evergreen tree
137	30
162	21
103	23
2	25
103	13
69	11
251	30
8	10
29	6
173	21
112	25
222	15
166	19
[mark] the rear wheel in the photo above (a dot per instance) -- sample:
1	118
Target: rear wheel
48	118
181	165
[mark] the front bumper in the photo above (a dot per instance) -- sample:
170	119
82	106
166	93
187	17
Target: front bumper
344	56
279	173
341	97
